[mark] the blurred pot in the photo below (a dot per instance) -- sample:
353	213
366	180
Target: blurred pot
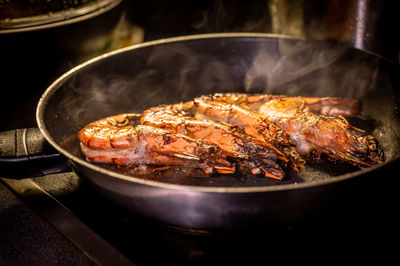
43	38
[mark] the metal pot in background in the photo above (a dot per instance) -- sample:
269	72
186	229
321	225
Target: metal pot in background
41	39
363	24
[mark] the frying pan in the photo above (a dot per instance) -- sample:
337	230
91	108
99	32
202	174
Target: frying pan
178	69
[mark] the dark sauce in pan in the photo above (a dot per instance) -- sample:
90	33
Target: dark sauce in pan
196	177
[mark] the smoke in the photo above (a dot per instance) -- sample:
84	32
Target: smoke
311	68
234	16
138	80
180	71
296	67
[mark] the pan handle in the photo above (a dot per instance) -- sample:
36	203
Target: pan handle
25	153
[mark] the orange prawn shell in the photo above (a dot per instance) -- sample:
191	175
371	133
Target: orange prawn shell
108	133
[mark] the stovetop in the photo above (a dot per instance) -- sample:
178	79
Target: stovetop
103	233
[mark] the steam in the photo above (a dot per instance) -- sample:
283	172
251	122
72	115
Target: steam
165	74
176	72
311	69
92	97
235	16
295	60
300	67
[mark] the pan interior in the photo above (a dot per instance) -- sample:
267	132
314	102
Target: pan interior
172	71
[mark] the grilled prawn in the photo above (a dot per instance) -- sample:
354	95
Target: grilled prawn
261	130
227	132
116	140
316	125
318	136
326	105
249	156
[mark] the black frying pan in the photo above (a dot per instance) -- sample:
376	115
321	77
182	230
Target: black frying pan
178	69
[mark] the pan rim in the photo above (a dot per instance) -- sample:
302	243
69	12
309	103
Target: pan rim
54	86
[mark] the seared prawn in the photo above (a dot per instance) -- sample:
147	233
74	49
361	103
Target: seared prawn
324	105
116	140
318	136
249	156
316	125
261	130
230	132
